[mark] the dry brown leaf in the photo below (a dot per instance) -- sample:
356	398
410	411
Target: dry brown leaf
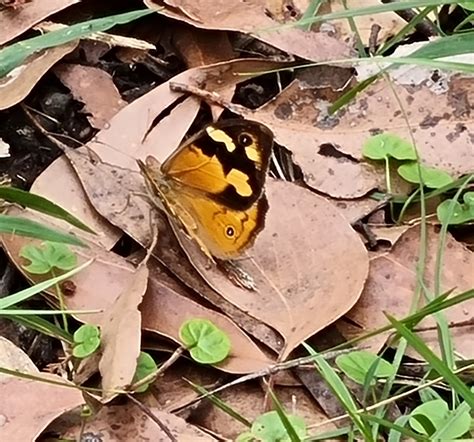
121	336
126	423
15	22
249	399
164	311
391	284
439	121
299	123
60	184
253	17
18	83
14	358
201	48
172	389
93	87
308	264
97	287
29	406
390	23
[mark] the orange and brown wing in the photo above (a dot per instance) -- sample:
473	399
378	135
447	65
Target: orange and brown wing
227	162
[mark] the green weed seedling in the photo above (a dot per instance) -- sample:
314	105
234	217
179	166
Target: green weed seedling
430	176
145	367
268	427
462	213
207	344
357	364
436	420
47	257
86	341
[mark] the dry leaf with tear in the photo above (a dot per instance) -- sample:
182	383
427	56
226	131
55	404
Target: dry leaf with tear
391	286
14	24
121	336
252	17
300	290
95	88
24	412
127	423
19	82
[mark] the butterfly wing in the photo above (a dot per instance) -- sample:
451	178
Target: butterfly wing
223	232
227	162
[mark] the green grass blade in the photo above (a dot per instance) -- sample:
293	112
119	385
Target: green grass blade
25	227
340	391
371	10
23	295
40	204
283	417
451	422
446	47
436	363
393	426
220	404
15	54
43	326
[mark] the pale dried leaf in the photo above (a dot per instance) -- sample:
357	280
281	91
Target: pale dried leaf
93	87
127	423
252	17
18	83
121	335
391	284
14	358
97	287
29	406
16	22
390	23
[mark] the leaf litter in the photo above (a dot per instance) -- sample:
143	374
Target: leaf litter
311	269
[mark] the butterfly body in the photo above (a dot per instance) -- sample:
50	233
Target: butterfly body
212	185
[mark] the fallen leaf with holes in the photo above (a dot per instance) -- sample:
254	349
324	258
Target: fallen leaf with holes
391	286
299	291
93	87
18	21
165	310
258	19
29	406
121	336
19	82
439	117
126	422
14	358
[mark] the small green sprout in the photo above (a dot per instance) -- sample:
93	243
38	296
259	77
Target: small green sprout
268	427
47	256
86	341
145	366
356	365
431	177
385	146
462	213
435	416
207	344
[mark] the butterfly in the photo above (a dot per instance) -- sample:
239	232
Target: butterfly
213	185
